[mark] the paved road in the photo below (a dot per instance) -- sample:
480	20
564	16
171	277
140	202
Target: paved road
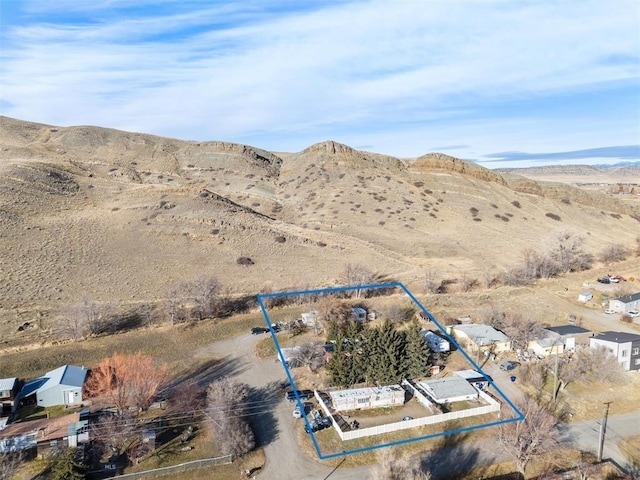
584	435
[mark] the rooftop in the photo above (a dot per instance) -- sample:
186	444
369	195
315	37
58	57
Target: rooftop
45	428
634	297
618	337
568	330
472	375
366	391
7	383
67	375
484	334
448	387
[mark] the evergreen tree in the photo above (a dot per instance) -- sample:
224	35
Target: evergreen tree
386	355
417	352
67	465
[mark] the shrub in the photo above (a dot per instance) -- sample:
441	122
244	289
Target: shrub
244	261
493	205
614	252
474	211
553	216
516	204
281	239
566	201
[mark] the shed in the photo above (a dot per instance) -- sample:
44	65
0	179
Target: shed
62	386
359	314
368	397
8	392
449	389
585	297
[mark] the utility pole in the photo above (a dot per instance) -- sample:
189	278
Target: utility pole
603	430
555	376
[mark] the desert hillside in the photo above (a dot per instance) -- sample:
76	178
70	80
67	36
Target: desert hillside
123	217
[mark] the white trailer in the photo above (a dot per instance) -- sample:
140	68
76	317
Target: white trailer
435	342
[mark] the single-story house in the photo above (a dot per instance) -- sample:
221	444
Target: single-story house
8	392
478	336
45	433
435	342
359	314
368	397
626	303
62	386
585	297
449	389
559	339
571	335
475	378
624	346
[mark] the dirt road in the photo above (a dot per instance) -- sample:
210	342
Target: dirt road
273	419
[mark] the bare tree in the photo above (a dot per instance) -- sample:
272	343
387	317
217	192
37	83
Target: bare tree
175	304
310	355
86	317
357	274
467	283
188	398
10	463
228	410
535	376
392	467
204	292
614	252
127	380
432	281
494	316
521	330
117	434
533	437
567	251
399	313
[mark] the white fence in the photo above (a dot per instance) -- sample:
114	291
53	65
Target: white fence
493	406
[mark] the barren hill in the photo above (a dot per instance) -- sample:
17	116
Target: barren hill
123	217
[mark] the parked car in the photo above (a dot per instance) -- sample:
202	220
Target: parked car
633	313
407	418
303	394
604	280
509	365
259	330
297	413
609	311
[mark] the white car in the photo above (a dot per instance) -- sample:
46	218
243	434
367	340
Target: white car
633	313
609	311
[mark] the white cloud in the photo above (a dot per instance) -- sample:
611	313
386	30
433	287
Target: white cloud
345	68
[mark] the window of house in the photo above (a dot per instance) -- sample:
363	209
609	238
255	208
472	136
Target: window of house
637	361
636	351
364	400
624	353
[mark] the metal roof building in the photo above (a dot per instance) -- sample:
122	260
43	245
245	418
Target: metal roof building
449	389
62	386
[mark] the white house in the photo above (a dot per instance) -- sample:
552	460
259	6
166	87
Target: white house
449	389
624	346
625	304
435	342
62	386
368	397
584	297
559	339
483	337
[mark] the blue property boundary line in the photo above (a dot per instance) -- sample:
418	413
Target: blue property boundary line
519	415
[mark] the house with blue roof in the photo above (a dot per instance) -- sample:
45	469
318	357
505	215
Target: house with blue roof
62	386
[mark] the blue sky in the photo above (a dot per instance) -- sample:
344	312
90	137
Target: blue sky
500	82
